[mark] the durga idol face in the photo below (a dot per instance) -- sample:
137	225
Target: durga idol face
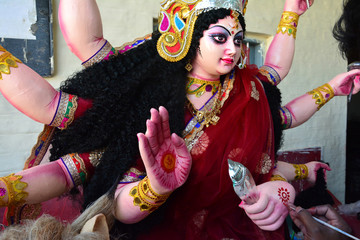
219	49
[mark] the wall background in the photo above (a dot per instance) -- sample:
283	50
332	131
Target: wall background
316	61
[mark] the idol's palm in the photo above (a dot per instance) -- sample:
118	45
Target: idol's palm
165	155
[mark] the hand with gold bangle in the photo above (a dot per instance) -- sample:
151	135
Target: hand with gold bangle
342	83
285	171
293	9
167	162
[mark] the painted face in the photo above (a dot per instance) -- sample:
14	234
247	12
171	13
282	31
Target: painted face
220	49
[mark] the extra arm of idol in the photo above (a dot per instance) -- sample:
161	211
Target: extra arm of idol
304	107
81	26
280	54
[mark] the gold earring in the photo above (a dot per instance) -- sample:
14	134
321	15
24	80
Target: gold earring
188	67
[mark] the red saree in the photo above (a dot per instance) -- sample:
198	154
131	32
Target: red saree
206	207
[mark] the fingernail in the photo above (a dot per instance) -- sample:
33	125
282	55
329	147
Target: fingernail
291	206
138	137
240	205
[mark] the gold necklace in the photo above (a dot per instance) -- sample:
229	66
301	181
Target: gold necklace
208	114
205	86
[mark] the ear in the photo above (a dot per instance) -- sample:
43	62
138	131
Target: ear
97	224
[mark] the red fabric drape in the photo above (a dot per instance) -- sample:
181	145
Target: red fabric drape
206	207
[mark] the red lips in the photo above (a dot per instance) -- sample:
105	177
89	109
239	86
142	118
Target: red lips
227	60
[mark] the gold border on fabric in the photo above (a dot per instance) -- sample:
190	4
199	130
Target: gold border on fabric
128	178
99	56
266	163
40	148
66	109
73	171
129	44
268	71
191	134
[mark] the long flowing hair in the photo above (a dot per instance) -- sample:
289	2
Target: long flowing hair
123	91
347	31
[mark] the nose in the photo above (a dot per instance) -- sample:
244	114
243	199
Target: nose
230	48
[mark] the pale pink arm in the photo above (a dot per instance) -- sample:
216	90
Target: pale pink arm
288	171
30	93
167	162
281	51
81	26
304	107
44	182
270	211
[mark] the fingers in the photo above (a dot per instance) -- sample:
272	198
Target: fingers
325	210
257	207
157	128
302	219
264	214
156	119
152	132
274	226
164	122
180	146
356	85
274	215
323	165
145	151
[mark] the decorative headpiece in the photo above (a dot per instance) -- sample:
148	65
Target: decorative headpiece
177	20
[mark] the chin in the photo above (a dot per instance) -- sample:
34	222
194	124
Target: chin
226	71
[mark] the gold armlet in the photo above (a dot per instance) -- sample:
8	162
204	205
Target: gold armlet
145	197
301	171
277	178
14	190
288	23
6	61
322	95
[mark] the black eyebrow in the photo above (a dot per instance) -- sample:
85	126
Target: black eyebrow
241	31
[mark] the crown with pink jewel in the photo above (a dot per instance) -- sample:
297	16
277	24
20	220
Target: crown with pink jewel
177	20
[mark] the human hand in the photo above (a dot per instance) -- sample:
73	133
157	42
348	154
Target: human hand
297	6
313	167
269	212
313	230
342	83
166	157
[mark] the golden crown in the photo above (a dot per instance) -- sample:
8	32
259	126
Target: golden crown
177	20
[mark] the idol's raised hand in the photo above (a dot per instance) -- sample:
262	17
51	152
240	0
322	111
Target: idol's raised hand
342	83
270	211
297	6
165	155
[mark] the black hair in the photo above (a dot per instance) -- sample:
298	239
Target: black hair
123	90
347	30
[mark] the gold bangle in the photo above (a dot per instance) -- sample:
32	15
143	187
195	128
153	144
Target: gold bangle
288	24
277	177
145	197
15	190
321	99
6	61
301	171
